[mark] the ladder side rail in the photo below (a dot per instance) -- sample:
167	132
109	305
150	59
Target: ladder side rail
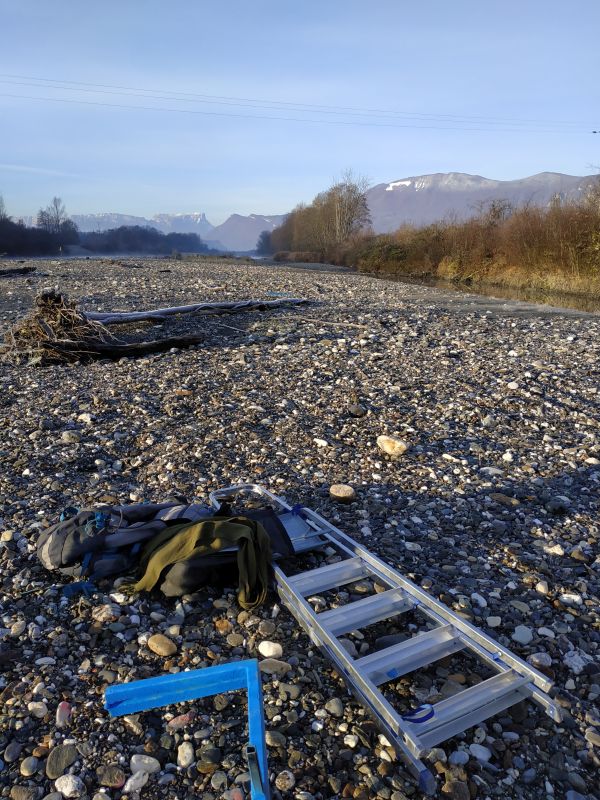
489	645
374	699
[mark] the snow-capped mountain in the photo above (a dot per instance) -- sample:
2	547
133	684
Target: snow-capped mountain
422	199
182	223
237	233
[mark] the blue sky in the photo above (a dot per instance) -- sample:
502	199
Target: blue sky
501	89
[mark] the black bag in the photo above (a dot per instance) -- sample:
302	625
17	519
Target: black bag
96	543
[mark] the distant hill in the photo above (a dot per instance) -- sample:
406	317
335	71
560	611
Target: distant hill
419	199
237	233
241	233
422	199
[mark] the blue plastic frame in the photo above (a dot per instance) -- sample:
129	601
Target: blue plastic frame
180	687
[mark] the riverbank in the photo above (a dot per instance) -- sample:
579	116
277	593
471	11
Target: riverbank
493	509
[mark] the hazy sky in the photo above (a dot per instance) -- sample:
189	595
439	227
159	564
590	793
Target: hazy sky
502	89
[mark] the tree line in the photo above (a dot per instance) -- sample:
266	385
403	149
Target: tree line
550	247
335	217
55	230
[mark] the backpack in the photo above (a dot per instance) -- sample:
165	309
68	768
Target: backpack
101	542
107	542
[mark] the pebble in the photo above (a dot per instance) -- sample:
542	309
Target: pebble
273	666
451	513
392	445
270	649
342	493
335	707
162	645
70	786
111	775
458	758
522	634
137	781
140	762
480	752
60	759
185	755
29	766
285	781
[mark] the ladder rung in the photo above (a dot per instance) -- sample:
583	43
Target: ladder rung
366	611
399	659
471	706
319	580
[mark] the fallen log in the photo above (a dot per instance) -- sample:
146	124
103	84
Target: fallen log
124	317
91	350
12	271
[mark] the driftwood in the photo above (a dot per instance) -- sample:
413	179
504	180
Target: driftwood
90	350
57	331
124	317
9	273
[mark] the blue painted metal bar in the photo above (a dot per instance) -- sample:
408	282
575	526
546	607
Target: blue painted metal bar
165	690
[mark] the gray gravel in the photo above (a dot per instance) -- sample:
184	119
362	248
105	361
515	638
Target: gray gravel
493	507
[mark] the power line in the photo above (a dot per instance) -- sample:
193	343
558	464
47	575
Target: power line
294	106
274	118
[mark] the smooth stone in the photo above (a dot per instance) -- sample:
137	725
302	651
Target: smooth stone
218	780
272	666
29	766
69	785
12	752
185	755
111	775
540	659
290	690
24	793
275	739
335	707
458	758
493	622
37	709
161	645
140	762
593	736
270	649
60	759
136	782
480	752
342	493
392	445
522	634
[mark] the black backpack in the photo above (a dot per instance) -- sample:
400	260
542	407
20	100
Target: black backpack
106	542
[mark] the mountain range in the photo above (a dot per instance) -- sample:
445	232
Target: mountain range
237	233
423	199
417	200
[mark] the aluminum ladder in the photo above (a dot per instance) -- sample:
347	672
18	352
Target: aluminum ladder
412	735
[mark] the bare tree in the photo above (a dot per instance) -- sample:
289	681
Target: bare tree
53	216
3	214
350	209
54	220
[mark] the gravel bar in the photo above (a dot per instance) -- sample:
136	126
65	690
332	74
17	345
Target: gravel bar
486	493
